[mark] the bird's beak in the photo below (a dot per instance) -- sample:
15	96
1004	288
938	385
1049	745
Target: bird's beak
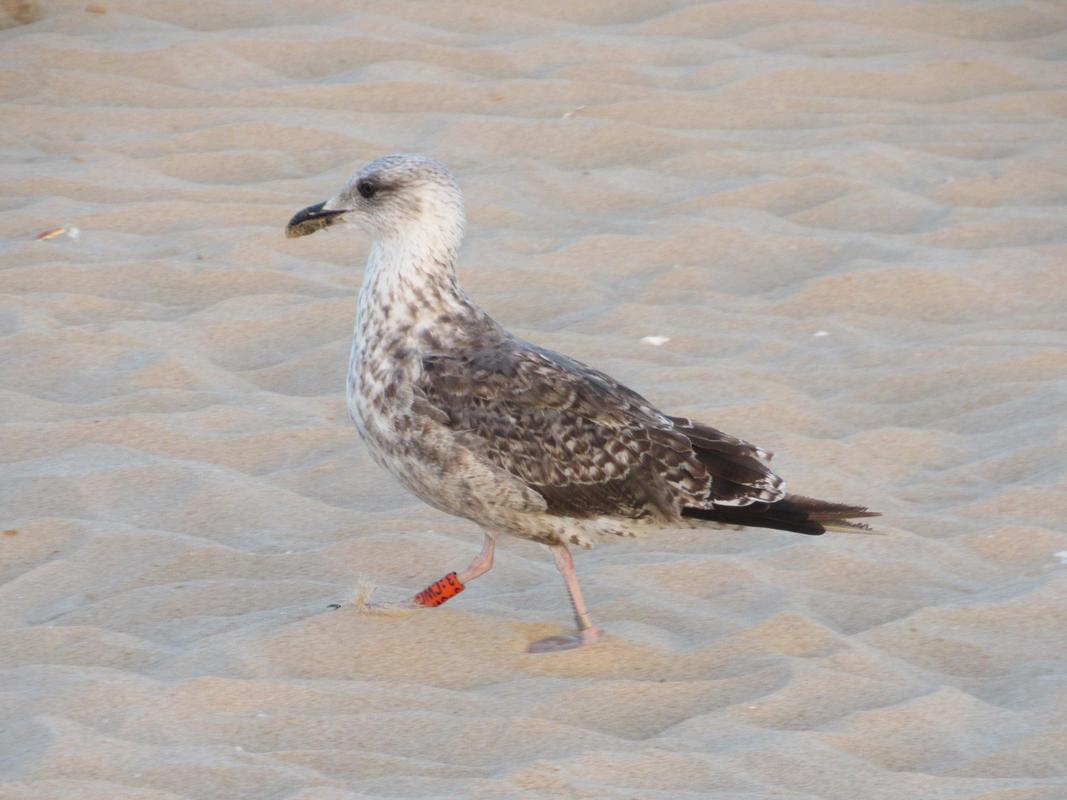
310	220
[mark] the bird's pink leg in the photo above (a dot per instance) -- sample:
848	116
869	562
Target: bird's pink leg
586	632
482	564
444	589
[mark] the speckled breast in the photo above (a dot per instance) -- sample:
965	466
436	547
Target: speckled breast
407	445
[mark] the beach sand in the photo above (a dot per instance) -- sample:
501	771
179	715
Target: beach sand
848	220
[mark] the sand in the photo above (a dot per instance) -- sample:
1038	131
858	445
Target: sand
846	219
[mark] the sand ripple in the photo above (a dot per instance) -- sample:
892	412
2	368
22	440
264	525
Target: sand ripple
847	218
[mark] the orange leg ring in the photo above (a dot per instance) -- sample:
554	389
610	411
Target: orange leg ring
440	591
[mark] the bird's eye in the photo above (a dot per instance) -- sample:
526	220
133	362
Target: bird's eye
366	188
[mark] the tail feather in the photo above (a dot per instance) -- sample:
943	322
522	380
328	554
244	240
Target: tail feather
792	513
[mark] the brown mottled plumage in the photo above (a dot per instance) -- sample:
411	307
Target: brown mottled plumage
515	437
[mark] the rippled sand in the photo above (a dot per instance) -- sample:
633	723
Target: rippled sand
848	219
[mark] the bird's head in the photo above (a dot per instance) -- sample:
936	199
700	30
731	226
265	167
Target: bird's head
391	197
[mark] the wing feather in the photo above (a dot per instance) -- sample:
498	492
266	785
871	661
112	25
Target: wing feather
741	472
584	442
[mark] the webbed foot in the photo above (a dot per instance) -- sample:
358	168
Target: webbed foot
555	643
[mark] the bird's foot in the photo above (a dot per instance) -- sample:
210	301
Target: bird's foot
436	594
362	602
379	607
555	643
385	607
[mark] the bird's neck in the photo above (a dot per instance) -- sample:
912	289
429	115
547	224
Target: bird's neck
410	280
411	299
410	306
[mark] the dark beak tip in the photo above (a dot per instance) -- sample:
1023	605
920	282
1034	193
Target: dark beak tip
310	220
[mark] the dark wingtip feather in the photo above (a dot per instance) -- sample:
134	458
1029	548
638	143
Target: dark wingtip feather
825	510
794	513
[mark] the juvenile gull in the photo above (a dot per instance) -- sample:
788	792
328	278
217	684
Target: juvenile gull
519	439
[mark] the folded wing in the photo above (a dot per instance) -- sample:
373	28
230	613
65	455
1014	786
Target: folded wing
588	445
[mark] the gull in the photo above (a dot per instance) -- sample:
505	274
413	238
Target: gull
512	436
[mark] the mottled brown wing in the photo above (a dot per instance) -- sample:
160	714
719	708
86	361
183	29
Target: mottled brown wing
741	472
588	445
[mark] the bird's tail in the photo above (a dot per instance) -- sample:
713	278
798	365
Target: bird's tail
794	513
